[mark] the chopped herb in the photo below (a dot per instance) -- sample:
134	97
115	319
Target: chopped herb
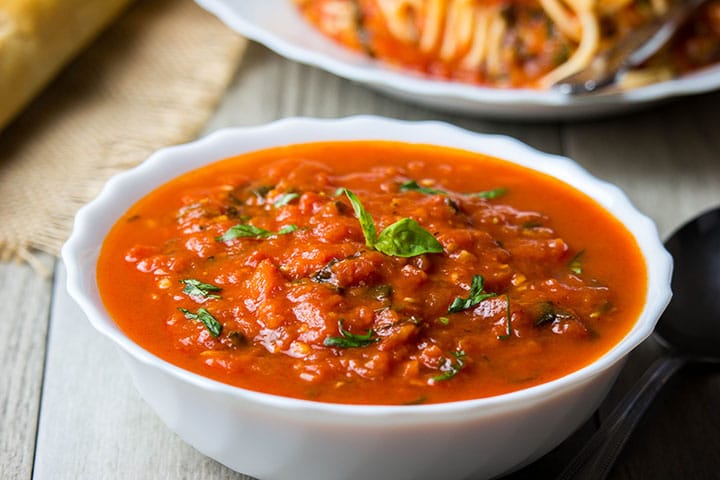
366	221
285	198
532	224
350	340
251	231
284	230
508	321
262	191
549	313
452	204
237	338
417	401
196	288
382	293
477	295
325	274
604	308
413	186
489	194
444	320
404	238
449	368
233	211
202	315
576	264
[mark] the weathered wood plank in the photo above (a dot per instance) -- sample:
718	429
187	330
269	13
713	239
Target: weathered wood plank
667	158
25	301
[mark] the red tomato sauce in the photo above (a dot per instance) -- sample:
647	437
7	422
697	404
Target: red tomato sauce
255	271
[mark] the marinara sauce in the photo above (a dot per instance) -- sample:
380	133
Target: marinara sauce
372	273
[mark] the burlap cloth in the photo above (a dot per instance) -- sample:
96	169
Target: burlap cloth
151	79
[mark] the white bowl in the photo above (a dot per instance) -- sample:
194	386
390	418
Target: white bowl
273	437
278	25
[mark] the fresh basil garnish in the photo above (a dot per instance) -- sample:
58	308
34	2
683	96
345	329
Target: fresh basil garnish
413	186
196	288
404	238
576	263
202	315
451	368
285	229
285	198
489	194
477	295
325	274
550	313
366	221
251	231
350	340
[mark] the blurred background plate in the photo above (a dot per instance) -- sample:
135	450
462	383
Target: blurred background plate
278	25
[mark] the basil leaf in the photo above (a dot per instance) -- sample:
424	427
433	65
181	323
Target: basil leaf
477	295
251	231
532	224
325	274
261	192
202	315
450	368
576	265
366	222
284	230
196	288
549	313
285	198
489	194
243	230
413	186
349	340
406	238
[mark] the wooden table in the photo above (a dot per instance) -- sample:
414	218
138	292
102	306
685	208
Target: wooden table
68	409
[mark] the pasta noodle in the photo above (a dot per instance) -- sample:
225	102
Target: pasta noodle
509	43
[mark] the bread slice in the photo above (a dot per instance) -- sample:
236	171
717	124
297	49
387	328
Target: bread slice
38	37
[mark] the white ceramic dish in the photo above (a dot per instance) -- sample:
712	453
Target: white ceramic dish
276	24
273	437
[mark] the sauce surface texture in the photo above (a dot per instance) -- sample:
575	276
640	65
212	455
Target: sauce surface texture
263	271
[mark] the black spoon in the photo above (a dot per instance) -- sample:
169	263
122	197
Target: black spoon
689	330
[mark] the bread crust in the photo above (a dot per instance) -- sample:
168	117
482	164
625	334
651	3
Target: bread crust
38	37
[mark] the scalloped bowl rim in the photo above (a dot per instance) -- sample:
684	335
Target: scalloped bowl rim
83	246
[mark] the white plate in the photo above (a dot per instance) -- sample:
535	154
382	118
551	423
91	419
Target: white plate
278	25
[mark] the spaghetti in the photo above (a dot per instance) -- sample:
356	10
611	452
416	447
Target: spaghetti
510	43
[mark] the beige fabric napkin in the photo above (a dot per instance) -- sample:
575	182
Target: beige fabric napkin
152	79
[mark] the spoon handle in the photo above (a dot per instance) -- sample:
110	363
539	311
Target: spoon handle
598	456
